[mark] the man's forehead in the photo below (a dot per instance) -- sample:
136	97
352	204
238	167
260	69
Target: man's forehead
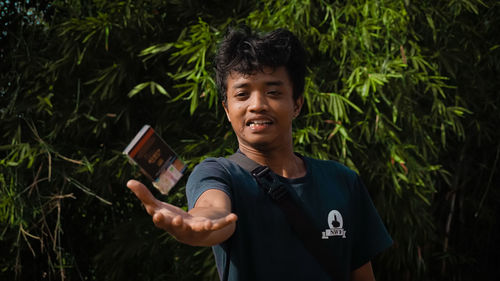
266	73
264	69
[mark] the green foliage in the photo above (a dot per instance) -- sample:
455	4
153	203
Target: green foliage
404	93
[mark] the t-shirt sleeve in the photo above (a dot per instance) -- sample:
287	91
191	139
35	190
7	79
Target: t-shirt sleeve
370	235
209	174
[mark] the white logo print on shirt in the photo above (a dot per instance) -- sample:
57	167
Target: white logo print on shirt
336	223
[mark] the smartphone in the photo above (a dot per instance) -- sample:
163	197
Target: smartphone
156	160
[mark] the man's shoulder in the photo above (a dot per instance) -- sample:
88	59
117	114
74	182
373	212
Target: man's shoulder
210	173
332	166
217	165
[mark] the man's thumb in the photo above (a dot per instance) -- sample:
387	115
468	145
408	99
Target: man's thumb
142	192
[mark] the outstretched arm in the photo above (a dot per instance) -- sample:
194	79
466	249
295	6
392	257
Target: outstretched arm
210	222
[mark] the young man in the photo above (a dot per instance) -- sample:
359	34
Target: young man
261	79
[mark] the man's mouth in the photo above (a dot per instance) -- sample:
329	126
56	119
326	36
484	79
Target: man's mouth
255	124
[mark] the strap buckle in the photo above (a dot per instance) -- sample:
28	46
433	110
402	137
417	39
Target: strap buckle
270	183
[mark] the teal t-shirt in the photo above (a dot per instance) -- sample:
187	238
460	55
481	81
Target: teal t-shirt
263	246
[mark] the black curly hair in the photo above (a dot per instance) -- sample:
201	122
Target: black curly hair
246	52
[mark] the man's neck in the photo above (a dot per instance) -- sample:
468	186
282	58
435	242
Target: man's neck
282	161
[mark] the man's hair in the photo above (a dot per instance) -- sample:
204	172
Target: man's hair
245	52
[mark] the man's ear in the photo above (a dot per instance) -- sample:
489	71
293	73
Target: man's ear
299	102
224	104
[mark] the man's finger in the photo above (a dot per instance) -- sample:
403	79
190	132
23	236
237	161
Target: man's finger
162	221
177	221
142	192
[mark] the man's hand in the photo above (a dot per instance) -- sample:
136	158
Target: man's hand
209	223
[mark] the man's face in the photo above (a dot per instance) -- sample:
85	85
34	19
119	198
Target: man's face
261	108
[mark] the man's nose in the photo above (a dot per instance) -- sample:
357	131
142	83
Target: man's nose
258	102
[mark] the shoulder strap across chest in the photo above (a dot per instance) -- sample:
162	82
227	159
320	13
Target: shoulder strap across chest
303	226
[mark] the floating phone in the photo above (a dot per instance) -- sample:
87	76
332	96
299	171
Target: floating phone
156	160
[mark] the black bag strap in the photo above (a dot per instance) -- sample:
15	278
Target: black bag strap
296	216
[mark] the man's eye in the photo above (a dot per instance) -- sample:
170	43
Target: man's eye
273	93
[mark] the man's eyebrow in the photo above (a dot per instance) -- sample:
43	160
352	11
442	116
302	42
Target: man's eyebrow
240	85
268	83
274	83
246	85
